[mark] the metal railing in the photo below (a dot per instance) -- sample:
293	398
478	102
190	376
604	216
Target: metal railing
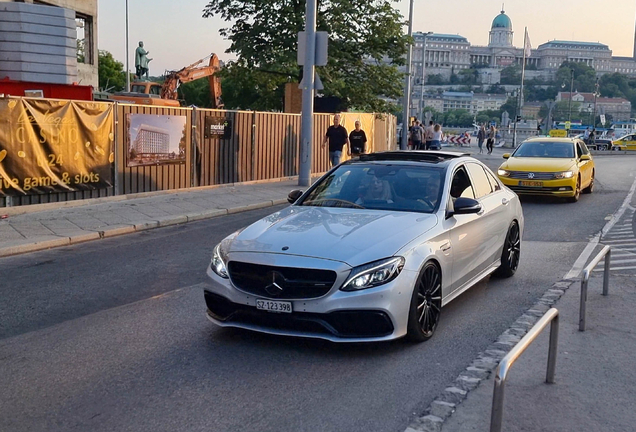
551	316
607	254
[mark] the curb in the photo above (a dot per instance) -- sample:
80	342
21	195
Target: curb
131	229
479	370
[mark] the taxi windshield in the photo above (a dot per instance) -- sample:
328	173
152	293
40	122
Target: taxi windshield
541	149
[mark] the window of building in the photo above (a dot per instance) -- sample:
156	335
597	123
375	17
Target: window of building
85	52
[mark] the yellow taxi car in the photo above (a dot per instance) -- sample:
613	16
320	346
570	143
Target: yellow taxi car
560	167
628	142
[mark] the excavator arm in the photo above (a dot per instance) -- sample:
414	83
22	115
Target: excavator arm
191	73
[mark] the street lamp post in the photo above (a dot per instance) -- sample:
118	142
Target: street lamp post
127	53
407	85
571	90
595	96
423	74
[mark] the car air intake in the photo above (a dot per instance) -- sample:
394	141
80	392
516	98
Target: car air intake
281	282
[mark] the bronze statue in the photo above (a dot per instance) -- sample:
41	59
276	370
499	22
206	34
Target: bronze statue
141	61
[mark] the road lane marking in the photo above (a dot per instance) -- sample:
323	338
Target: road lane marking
616	268
577	268
613	261
619	242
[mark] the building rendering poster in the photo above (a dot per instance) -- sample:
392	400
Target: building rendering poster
156	139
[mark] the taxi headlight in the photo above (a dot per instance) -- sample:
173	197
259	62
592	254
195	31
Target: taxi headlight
564	175
503	173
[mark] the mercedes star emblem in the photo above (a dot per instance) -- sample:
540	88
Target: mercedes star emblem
276	287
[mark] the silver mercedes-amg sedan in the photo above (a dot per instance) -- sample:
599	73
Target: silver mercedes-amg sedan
370	252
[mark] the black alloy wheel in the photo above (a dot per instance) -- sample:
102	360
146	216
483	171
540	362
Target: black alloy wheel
426	304
577	191
590	188
511	252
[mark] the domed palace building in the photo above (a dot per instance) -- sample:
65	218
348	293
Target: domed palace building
447	54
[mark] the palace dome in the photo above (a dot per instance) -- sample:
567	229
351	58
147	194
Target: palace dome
502	21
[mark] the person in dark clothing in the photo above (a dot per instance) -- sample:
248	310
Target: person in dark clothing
357	141
337	137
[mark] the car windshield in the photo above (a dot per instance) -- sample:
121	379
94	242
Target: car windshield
379	187
542	149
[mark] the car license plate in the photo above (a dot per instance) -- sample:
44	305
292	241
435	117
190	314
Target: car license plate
274	306
531	183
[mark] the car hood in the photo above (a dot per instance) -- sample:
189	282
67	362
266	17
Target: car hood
353	236
538	164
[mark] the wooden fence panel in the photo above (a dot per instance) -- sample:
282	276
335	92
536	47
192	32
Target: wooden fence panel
222	160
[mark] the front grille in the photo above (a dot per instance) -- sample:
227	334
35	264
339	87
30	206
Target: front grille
523	175
343	324
539	190
281	282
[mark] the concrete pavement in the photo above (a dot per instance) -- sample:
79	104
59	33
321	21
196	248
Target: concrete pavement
594	388
30	228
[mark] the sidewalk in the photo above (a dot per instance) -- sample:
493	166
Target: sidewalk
30	228
595	375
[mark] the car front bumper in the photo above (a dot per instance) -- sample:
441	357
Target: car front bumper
374	314
560	188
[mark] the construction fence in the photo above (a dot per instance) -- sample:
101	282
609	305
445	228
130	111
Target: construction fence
60	150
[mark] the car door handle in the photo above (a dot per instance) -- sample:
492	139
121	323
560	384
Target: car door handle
505	201
446	247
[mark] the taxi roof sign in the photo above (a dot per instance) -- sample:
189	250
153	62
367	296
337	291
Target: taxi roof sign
558	133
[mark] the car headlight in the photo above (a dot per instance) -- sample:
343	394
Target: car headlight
218	263
564	175
503	173
373	274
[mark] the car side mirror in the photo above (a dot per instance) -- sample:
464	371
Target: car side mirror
294	195
464	206
585	157
506	155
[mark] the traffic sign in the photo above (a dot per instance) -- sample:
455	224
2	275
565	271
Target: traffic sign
568	125
603	119
322	47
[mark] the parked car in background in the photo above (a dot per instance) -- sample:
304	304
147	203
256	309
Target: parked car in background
370	252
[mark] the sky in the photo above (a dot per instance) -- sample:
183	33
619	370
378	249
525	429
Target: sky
176	34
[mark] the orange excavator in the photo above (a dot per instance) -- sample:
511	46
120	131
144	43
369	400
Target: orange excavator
165	94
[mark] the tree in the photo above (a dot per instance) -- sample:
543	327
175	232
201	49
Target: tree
435	79
111	72
511	75
584	77
196	93
363	35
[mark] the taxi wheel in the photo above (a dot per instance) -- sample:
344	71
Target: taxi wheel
577	192
590	188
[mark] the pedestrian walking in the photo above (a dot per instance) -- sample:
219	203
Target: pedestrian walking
337	137
417	135
592	137
490	142
586	136
481	137
438	137
428	135
357	141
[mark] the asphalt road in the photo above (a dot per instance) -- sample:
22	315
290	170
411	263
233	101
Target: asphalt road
112	335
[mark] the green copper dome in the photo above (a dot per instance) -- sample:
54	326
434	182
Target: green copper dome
502	21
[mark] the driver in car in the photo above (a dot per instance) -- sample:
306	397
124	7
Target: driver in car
378	190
